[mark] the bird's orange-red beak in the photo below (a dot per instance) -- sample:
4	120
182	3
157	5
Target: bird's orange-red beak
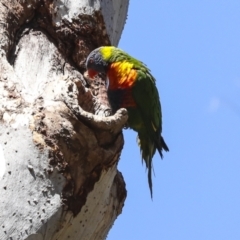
92	73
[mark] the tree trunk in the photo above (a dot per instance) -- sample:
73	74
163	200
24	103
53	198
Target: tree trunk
59	146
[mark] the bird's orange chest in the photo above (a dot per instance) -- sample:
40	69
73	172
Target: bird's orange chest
122	77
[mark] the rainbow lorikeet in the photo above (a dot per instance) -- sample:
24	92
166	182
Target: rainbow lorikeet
132	86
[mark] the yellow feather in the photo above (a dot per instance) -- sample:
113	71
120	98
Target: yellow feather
106	52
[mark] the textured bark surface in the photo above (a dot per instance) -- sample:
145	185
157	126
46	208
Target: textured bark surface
59	146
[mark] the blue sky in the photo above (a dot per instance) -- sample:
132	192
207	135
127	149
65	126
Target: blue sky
193	50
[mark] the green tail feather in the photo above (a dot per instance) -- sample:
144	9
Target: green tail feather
148	149
150	177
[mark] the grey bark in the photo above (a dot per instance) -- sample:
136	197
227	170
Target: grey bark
59	146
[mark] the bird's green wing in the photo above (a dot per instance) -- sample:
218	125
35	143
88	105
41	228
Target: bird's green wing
146	96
